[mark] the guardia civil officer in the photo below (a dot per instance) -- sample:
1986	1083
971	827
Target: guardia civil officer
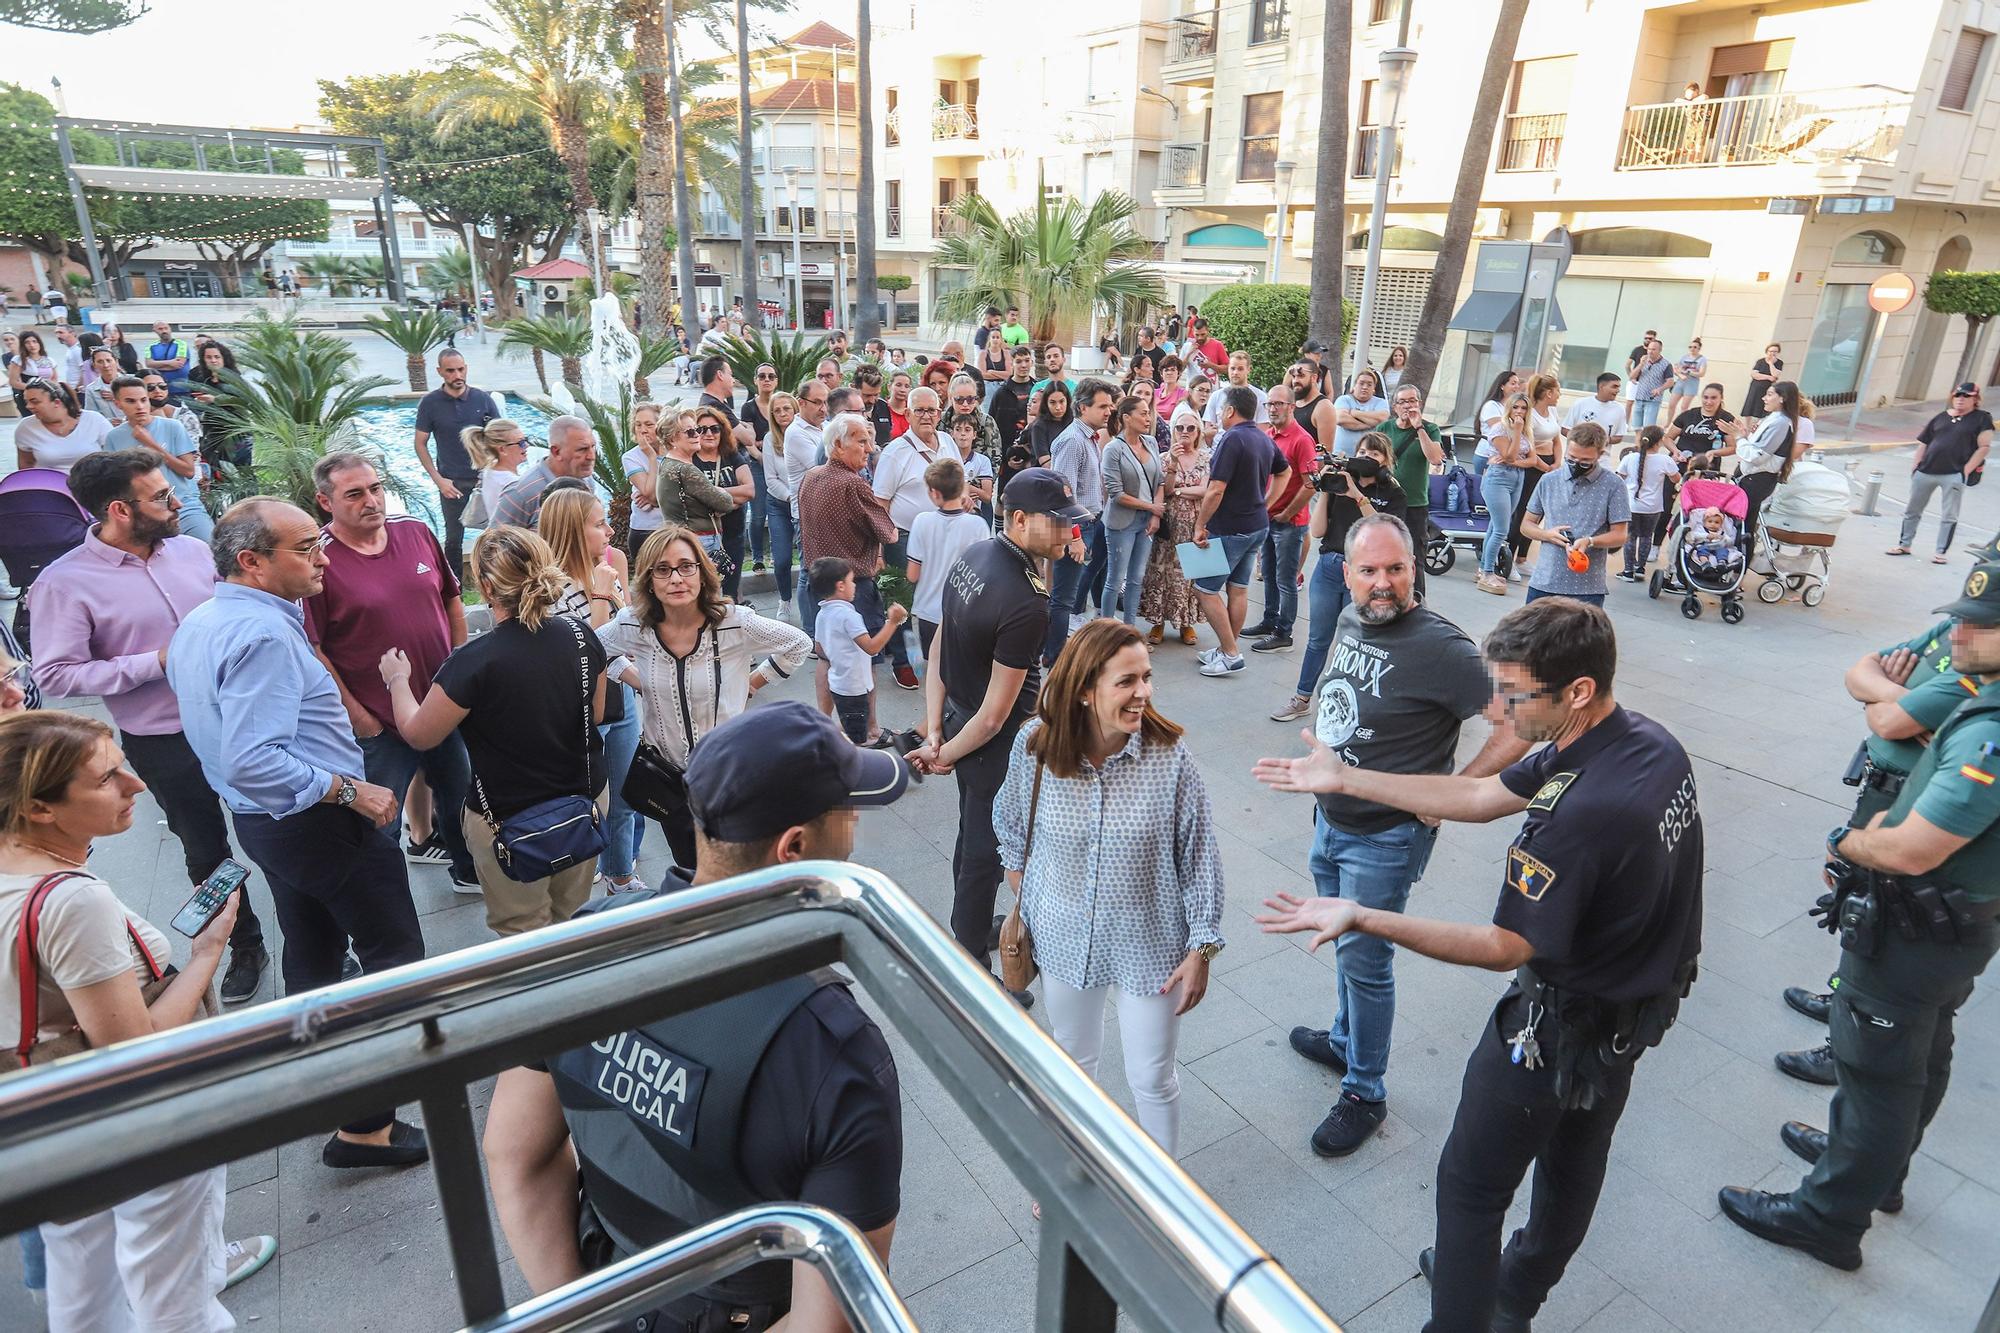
1600	920
785	1093
1916	893
1906	691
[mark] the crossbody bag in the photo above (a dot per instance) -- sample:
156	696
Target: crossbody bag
653	785
1017	944
550	836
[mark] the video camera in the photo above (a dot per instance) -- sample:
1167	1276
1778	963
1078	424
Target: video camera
1362	467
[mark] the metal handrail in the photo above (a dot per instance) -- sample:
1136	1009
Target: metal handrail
689	1262
1124	1227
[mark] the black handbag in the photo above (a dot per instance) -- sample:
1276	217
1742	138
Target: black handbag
653	786
550	836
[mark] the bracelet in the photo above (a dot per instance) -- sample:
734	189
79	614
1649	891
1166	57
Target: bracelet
600	597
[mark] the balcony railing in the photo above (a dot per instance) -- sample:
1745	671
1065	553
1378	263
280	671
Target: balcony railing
892	222
1531	142
1367	142
1268	22
1193	38
841	161
945	221
1187	166
778	158
1842	125
955	120
892	127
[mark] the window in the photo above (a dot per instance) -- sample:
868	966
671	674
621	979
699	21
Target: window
1267	21
1368	132
892	209
1399	238
1101	80
1840	334
1639	243
1748	70
366	229
1537	114
1381	11
891	131
1869	247
1961	76
948	91
1261	114
1607	316
1096	176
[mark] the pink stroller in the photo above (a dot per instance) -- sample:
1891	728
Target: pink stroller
1680	571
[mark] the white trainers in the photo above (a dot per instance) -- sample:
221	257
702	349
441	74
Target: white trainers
1223	665
1292	709
246	1257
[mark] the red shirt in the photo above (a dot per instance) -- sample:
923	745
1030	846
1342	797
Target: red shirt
1300	451
1214	352
899	424
372	603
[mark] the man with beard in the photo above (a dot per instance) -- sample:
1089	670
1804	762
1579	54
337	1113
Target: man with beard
102	616
1399	683
1600	920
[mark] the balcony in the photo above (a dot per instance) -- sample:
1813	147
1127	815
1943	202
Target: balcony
1268	22
1531	142
1841	129
954	121
1192	38
945	221
840	161
779	158
1367	142
1186	167
892	223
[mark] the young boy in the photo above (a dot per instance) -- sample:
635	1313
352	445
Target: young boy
848	648
938	538
978	472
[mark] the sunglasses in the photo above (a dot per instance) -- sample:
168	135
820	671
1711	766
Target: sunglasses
767	375
710	429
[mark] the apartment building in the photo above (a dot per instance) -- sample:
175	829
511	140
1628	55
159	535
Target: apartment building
1738	172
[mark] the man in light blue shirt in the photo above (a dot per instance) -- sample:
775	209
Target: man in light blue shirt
180	456
1073	456
264	716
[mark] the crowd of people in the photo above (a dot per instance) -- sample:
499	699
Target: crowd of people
312	682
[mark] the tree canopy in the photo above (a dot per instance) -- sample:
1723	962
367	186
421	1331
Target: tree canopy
77	17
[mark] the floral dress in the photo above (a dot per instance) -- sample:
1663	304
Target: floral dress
1168	598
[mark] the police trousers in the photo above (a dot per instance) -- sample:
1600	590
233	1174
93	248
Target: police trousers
1891	1028
1508	1120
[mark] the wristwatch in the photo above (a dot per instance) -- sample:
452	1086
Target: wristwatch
346	794
1209	950
1833	839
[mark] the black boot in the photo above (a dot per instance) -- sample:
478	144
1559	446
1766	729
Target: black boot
1504	1320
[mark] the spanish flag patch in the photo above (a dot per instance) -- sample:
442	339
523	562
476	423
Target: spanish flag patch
1977	775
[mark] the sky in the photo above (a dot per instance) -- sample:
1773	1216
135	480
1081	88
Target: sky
239	62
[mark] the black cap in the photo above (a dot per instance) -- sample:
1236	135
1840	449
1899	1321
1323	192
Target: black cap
1040	490
784	764
1979	603
1312	345
1987	551
1967	388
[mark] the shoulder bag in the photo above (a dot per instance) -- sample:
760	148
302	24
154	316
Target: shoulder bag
27	962
476	514
653	785
1017	945
550	836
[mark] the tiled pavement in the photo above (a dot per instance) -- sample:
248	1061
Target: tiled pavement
1759	705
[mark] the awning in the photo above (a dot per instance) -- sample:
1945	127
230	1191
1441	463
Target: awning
1487	312
223	184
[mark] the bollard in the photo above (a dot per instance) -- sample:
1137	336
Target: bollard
1871	491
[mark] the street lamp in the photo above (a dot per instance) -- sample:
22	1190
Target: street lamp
1396	63
791	175
1283	173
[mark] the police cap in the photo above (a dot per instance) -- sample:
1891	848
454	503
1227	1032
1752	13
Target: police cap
781	765
1040	490
1979	603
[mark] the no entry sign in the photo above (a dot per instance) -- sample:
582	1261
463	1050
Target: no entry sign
1891	292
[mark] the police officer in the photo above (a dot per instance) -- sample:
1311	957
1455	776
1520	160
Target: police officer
1916	894
1906	691
787	1092
1599	919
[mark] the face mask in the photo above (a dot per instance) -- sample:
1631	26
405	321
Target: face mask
1581	470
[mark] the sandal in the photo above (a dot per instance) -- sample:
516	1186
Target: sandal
1897	550
1939	559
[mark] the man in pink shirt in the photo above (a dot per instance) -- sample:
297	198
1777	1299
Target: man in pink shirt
1284	543
100	620
388	586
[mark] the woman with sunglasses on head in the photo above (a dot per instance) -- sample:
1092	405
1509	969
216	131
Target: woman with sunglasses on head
58	431
726	464
756	414
688	498
695	658
1168	597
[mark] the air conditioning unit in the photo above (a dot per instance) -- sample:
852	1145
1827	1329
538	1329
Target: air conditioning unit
551	292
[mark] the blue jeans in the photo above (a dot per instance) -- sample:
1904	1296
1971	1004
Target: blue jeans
1284	547
388	761
1240	552
1128	549
1327	596
784	541
1066	594
1480	462
760	508
1644	412
1373	870
874	615
624	830
1501	490
1587	598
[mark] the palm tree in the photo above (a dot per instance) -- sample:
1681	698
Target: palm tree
584	290
371	274
746	209
303	377
450	274
1472	165
334	272
531	60
683	219
793	356
1330	178
654	353
1057	261
647	23
414	333
866	325
564	337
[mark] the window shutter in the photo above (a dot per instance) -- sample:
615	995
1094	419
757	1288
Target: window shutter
1750	58
1956	94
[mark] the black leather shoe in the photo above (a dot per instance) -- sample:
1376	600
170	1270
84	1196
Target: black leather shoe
1813	1004
1256	631
1813	1066
1273	642
406	1147
1024	998
1351	1123
246	966
1504	1320
1313	1045
1776	1219
1810	1145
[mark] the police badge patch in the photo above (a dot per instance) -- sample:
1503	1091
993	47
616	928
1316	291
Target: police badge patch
1528	876
1552	791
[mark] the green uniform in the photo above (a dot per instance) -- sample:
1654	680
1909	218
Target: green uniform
1934	692
1956	786
1932	647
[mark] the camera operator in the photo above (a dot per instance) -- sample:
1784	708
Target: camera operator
1350	487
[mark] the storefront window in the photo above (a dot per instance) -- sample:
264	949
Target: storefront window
1608	316
1839	340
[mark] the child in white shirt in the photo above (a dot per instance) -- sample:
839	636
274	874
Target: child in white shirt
937	539
847	648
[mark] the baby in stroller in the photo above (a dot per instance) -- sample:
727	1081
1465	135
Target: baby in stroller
1712	542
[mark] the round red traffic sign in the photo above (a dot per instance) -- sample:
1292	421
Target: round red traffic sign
1891	292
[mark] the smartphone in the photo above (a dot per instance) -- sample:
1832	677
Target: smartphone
209	897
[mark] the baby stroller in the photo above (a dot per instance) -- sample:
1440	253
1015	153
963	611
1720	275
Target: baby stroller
1679	570
39	520
1457	515
1800	521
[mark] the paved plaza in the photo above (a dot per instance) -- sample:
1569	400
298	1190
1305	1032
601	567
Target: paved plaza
1759	706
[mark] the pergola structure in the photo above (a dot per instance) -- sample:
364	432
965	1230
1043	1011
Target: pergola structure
130	177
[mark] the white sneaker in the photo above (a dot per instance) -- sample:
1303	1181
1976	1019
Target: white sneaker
1514	575
1203	657
246	1257
1292	709
1223	665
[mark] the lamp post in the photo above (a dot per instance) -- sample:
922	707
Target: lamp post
1283	173
798	267
1396	62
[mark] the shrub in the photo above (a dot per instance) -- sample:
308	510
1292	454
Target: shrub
1269	321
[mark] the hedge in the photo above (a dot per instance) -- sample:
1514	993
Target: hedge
1269	321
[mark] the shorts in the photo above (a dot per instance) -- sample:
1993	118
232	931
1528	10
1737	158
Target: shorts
1690	385
852	710
1240	550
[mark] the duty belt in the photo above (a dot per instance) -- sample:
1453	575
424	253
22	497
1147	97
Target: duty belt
1885	780
1595	1039
1866	904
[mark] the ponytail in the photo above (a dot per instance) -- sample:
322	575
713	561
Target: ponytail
482	447
518	574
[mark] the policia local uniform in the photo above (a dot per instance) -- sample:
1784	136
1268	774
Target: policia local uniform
1911	948
1604	880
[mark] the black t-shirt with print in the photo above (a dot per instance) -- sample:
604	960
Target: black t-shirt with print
1700	433
523	692
1949	442
1010	408
722	471
996	613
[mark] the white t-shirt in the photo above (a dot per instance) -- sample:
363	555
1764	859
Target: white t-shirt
1545	428
803	441
1213	413
936	541
492	481
1803	431
1609	415
1645	487
1492	418
83	941
848	670
899	477
61	451
978	468
643	519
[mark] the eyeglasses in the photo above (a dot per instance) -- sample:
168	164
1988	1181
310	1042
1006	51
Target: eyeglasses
305	550
686	571
1964	395
924	411
1185	427
20	676
814	402
162	496
710	429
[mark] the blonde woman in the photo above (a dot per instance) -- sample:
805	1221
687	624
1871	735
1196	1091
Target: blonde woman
687	497
695	657
639	463
497	449
526	698
1167	596
778	519
1505	485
